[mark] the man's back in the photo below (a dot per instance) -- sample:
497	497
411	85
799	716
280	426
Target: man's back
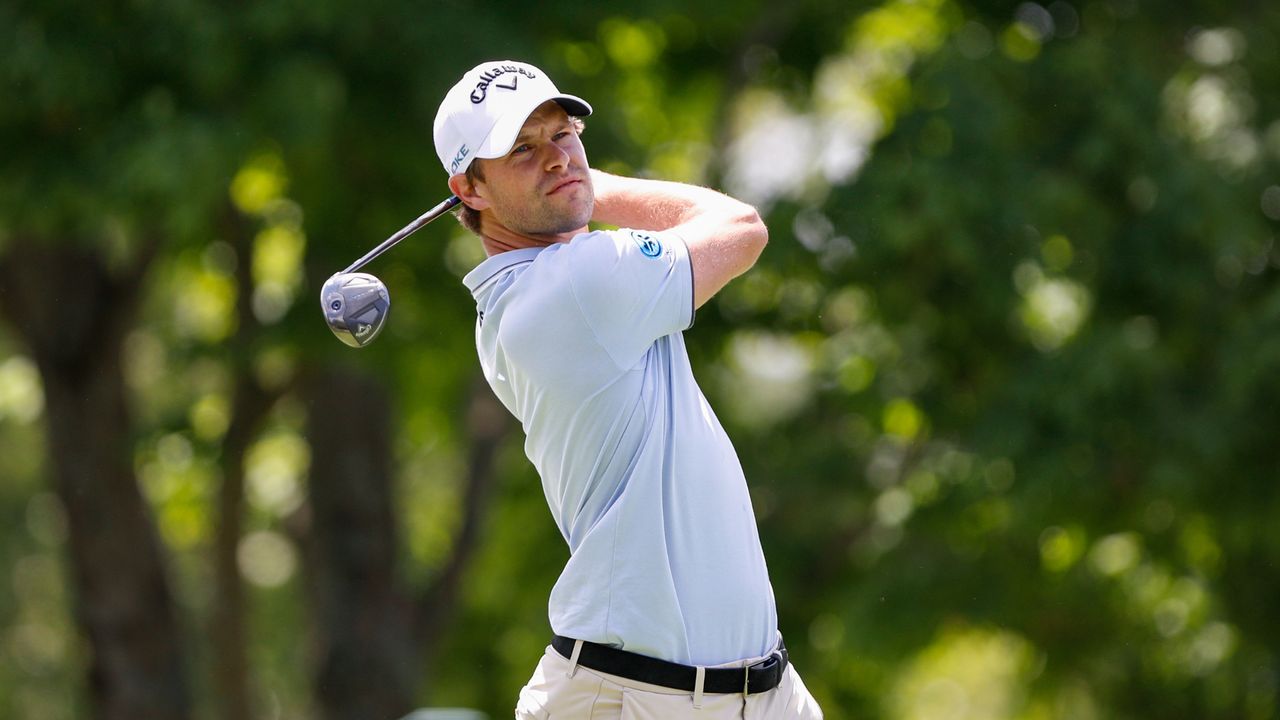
582	343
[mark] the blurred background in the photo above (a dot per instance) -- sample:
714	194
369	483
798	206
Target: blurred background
1004	383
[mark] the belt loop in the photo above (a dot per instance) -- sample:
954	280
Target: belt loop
746	682
573	659
697	687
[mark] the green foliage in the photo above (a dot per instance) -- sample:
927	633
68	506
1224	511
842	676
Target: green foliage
1003	383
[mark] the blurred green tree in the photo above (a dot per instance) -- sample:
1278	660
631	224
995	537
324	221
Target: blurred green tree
1002	383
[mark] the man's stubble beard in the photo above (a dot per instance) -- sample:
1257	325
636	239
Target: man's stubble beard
541	218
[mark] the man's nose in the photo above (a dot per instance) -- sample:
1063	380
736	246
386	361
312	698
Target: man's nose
555	157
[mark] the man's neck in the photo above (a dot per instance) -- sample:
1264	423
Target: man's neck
497	238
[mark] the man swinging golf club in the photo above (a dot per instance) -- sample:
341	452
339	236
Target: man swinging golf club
664	609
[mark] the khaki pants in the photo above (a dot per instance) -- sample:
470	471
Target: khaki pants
558	691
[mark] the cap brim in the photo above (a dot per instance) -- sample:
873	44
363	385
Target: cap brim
505	131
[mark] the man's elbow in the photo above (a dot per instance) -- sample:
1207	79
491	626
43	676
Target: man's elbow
755	234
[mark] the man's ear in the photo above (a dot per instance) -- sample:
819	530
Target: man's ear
466	191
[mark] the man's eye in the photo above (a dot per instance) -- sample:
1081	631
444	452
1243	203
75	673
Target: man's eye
520	149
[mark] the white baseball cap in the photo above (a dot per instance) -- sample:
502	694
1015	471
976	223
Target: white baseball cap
482	114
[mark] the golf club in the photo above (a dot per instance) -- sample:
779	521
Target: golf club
355	304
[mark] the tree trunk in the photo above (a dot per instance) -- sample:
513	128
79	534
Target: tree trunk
367	664
375	640
488	424
249	407
227	624
73	315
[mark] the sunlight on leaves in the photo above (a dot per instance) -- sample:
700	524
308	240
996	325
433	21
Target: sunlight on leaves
1213	109
923	486
277	254
856	373
186	524
826	632
857	96
632	45
277	270
759	168
1199	545
176	482
757	292
205	308
1052	310
1020	42
846	308
274	469
1060	548
646	121
38	585
209	416
886	41
275	366
1210	647
1216	46
145	359
903	420
776	371
904	28
36	647
1116	554
1057	253
1206	106
431	491
974	41
1270	202
463	253
258	189
21	394
266	558
583	58
966	674
261	181
37	639
894	506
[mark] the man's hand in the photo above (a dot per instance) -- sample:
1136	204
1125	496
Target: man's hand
725	236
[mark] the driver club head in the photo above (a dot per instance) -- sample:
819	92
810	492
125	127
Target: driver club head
355	307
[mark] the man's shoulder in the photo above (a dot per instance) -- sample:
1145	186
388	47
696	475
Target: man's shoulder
481	279
649	243
622	247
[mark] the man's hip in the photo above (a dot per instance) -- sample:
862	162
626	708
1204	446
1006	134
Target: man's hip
563	686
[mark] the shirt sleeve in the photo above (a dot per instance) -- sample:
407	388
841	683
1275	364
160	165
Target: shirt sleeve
632	287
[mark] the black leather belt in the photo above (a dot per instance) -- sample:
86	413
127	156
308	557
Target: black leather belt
758	678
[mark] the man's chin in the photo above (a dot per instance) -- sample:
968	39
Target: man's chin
552	226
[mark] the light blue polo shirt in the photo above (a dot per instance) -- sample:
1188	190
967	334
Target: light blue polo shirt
582	343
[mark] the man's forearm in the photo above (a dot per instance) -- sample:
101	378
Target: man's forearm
656	204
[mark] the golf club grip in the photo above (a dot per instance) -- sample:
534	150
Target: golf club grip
405	232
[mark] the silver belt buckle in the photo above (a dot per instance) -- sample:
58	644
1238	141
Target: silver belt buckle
773	657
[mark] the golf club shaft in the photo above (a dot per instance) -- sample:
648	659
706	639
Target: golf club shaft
405	232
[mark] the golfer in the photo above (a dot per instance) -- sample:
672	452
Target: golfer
664	609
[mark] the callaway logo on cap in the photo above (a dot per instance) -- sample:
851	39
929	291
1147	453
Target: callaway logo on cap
483	113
